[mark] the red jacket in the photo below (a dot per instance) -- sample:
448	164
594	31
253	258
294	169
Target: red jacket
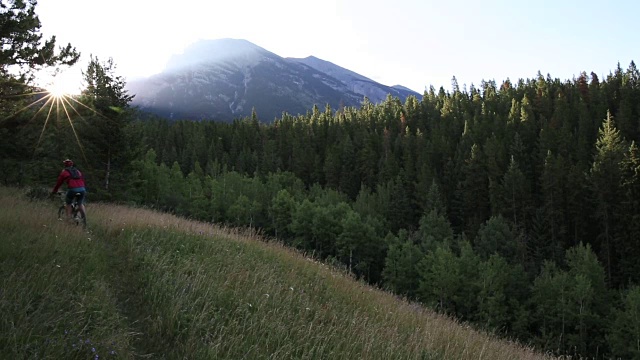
65	175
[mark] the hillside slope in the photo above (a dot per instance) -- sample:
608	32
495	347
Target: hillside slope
141	283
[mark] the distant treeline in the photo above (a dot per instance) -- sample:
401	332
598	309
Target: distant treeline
515	207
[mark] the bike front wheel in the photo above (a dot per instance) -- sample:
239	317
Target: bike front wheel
80	218
62	211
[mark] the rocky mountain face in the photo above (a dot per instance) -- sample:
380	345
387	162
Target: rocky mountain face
225	79
357	83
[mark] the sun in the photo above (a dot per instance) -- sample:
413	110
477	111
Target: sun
57	90
56	98
61	84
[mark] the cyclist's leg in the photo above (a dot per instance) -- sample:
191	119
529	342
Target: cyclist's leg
83	209
81	206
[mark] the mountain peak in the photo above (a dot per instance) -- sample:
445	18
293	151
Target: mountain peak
219	50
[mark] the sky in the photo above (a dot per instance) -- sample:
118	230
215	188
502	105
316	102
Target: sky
414	43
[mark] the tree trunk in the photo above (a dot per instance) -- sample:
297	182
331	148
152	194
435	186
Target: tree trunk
108	171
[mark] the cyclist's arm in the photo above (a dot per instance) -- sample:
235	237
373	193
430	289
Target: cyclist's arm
61	178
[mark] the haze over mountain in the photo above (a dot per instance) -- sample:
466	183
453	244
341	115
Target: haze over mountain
225	79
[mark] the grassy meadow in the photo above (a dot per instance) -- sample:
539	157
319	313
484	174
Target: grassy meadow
141	284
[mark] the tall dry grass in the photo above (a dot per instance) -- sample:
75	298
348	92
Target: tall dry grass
56	301
175	288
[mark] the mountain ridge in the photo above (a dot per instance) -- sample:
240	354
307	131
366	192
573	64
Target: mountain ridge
225	79
357	83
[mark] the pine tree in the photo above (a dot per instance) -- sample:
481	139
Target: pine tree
466	298
439	279
628	228
108	100
516	195
496	237
500	293
176	197
333	167
550	301
605	176
474	191
624	334
22	42
434	231
588	300
553	185
349	182
627	113
494	151
395	203
435	201
368	158
400	272
327	227
24	53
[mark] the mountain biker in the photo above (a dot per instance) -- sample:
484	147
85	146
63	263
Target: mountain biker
75	185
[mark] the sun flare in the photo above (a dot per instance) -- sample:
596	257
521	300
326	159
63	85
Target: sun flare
57	91
60	84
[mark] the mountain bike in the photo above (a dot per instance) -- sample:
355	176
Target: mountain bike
77	215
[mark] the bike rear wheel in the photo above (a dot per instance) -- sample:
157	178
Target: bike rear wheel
83	219
79	218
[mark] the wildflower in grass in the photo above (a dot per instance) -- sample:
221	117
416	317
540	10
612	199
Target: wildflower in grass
93	349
